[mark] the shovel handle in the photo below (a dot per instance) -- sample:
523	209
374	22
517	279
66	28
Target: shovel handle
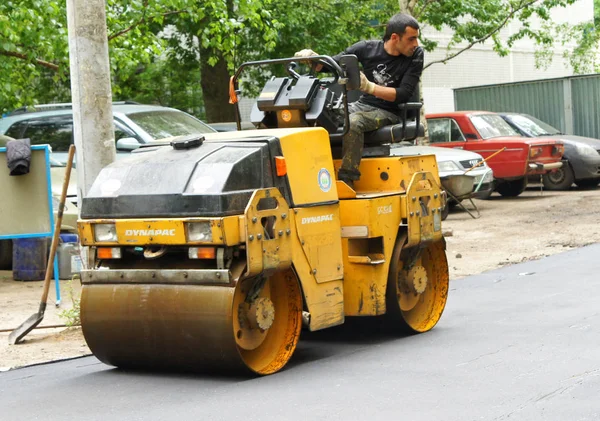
57	225
481	162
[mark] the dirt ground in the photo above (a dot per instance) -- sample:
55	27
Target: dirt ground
534	225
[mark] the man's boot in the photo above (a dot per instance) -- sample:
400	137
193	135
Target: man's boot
348	176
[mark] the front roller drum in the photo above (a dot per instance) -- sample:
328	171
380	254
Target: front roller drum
417	286
195	327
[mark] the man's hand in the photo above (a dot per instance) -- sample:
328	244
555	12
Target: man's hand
366	85
307	52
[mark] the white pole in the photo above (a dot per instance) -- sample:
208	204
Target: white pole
93	127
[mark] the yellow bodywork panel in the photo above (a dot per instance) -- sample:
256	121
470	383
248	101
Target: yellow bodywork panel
391	174
324	300
423	204
268	233
318	231
308	160
369	230
140	232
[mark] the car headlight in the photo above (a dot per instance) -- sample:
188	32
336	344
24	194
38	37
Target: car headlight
447	166
489	176
105	233
585	149
199	231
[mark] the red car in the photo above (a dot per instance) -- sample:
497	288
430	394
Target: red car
486	133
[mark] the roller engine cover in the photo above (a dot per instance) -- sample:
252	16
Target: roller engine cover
289	102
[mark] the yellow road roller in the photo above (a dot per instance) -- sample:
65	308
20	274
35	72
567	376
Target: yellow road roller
211	252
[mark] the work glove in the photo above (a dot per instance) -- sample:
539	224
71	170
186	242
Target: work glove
307	52
366	85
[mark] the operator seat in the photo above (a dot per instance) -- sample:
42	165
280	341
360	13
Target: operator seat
377	142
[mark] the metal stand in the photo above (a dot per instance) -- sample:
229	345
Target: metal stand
459	204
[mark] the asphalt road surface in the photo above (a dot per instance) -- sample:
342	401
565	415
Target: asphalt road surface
517	343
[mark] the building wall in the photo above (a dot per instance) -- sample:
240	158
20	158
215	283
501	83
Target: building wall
482	66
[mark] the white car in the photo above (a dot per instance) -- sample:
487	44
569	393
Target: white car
454	162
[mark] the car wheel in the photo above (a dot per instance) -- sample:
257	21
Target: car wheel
560	179
6	254
512	188
588	182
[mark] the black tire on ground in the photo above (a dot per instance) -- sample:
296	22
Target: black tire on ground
512	188
560	179
6	252
588	182
445	212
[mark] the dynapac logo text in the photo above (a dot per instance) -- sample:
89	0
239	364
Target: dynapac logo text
320	218
139	233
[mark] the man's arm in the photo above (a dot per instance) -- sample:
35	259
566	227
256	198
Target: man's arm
410	80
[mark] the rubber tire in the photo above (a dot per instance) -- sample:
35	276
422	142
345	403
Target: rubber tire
512	188
587	183
6	254
565	178
445	212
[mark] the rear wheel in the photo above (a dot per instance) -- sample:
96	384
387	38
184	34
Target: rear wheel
512	188
588	182
417	286
560	179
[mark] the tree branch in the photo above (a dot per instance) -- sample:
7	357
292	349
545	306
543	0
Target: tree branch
43	63
423	8
142	20
484	38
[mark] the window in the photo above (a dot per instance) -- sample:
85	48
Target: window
55	131
16	130
121	131
492	125
444	130
165	123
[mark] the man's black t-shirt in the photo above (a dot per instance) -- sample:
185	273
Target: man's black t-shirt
398	72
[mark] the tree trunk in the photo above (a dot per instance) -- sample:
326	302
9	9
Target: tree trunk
214	81
407	6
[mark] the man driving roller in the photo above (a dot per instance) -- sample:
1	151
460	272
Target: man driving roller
392	68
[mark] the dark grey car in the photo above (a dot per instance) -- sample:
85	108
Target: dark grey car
581	160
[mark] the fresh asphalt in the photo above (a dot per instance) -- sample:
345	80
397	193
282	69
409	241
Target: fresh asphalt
521	343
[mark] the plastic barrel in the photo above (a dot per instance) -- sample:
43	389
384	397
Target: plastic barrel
30	258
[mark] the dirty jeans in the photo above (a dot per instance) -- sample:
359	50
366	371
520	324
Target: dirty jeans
363	118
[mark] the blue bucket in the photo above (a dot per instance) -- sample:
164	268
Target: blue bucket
30	258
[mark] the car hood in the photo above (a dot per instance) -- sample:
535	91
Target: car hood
441	154
569	138
58	176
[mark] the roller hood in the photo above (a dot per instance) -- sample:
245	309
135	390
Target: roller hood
214	179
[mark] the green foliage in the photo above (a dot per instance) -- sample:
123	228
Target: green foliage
157	47
71	316
581	47
34	50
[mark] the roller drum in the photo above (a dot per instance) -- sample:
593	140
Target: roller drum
194	327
